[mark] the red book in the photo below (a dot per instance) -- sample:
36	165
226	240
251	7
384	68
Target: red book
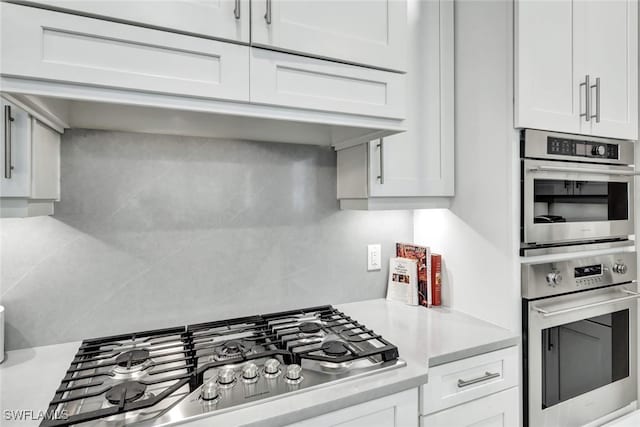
436	278
422	255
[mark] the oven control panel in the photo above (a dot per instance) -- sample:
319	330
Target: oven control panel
571	275
578	148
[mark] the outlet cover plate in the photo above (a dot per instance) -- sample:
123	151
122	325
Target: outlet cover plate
374	257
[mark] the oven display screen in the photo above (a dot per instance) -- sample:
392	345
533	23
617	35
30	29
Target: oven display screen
588	271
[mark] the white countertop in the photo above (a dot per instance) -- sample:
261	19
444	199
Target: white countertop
424	337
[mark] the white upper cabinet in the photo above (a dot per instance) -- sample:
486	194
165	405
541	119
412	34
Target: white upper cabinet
577	67
223	19
413	169
189	67
371	33
40	44
284	79
30	161
606	40
15	154
546	95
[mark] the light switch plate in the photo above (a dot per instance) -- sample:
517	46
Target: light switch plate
374	257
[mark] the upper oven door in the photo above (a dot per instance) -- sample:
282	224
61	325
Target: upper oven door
581	355
567	202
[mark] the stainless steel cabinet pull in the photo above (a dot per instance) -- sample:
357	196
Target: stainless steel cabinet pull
597	87
380	146
236	10
267	15
7	141
545	313
610	172
486	377
587	98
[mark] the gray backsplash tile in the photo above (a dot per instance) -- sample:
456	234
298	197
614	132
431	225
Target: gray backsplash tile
155	231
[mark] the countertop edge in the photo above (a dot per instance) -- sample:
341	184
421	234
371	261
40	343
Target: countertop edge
455	356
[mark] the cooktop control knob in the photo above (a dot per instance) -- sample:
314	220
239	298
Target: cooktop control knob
271	367
250	373
226	377
598	150
209	391
294	374
620	268
554	278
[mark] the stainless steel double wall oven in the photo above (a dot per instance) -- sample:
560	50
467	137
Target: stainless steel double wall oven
579	311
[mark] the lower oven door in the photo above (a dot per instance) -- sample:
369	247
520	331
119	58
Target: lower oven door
565	202
581	355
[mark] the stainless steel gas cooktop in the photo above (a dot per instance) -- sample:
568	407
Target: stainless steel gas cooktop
166	376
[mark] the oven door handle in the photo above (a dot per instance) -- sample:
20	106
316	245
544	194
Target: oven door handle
582	170
545	313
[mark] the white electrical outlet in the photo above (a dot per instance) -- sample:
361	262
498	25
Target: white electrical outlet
374	257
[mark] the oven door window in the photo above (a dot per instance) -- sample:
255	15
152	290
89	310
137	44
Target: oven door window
581	356
579	201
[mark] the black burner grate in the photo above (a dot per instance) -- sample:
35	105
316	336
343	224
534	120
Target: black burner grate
179	357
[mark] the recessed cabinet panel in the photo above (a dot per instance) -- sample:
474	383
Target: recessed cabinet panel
607	36
45	146
15	151
68	48
395	410
370	33
497	410
547	97
290	80
224	19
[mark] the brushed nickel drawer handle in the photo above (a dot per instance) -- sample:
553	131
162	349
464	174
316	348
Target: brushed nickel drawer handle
236	10
486	377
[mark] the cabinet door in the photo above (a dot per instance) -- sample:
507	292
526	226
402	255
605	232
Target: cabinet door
548	91
396	410
15	178
420	162
225	19
69	48
606	36
497	410
371	32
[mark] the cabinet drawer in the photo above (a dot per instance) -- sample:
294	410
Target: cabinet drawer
295	81
497	410
48	45
458	382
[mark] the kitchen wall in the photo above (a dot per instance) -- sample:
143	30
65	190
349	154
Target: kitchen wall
479	236
155	231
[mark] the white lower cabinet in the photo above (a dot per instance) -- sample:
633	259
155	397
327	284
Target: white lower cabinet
30	161
479	391
496	410
396	410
